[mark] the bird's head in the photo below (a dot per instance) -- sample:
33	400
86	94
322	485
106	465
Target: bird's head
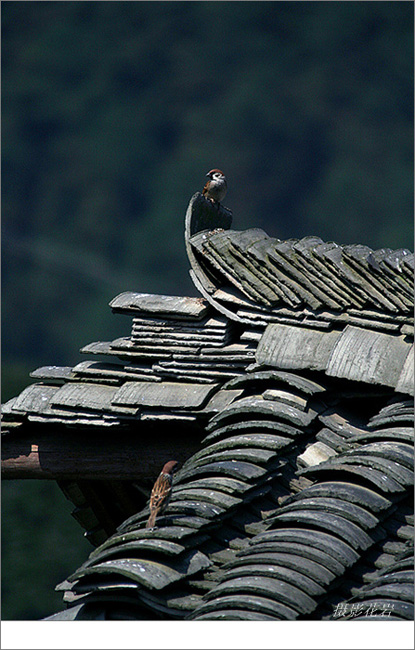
216	174
170	467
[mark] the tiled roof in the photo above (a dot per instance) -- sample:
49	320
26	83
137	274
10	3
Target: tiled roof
249	536
293	374
254	278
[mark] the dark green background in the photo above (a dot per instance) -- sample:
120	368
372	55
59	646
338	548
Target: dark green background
112	114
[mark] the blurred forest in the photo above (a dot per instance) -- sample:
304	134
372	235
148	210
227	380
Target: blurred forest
113	112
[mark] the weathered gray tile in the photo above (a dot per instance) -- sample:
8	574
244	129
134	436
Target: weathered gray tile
164	394
368	356
291	348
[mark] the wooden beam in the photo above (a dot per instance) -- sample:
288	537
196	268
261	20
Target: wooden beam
95	455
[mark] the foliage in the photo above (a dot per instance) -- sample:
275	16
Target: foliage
40	551
114	111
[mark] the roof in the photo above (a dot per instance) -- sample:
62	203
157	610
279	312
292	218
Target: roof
291	376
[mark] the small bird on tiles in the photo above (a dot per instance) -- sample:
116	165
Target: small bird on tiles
216	187
161	492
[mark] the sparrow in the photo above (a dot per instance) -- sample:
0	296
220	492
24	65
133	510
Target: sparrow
216	187
161	492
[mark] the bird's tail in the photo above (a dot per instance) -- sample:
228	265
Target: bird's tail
151	520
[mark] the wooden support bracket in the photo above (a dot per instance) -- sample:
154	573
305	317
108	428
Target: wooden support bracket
94	455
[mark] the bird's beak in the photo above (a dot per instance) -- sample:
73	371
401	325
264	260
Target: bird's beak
208	175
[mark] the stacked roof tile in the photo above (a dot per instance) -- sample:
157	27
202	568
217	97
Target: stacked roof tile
296	367
260	279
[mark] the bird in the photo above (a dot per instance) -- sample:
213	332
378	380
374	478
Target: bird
216	187
161	492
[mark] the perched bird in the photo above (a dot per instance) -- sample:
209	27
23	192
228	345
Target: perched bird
216	187
161	492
